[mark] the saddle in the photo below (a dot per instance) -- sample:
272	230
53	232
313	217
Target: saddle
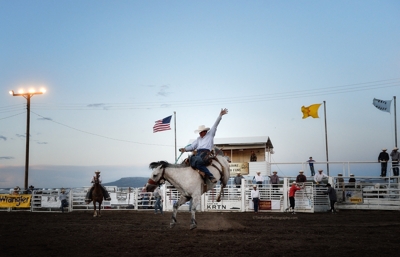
208	160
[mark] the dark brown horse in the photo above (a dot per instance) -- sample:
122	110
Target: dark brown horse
97	196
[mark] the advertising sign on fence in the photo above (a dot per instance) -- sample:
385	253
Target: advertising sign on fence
50	201
267	205
242	167
17	201
353	196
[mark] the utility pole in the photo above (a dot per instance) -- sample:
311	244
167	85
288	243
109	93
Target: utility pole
28	97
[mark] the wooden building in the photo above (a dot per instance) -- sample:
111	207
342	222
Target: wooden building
239	150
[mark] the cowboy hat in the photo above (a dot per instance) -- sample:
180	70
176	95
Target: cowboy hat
301	171
258	172
238	172
384	149
320	170
294	182
201	128
339	174
351	175
62	190
255	186
97	172
274	171
395	148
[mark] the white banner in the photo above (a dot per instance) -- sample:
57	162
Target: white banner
50	201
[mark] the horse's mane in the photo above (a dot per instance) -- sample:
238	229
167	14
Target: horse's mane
165	164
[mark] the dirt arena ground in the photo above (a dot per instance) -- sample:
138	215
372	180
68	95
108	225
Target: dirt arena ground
133	233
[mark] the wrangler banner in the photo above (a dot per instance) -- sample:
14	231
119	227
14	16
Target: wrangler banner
18	201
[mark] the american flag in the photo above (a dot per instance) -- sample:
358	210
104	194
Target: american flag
162	125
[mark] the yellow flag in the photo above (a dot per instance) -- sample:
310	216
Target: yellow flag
311	110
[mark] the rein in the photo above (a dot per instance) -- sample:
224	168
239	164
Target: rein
158	182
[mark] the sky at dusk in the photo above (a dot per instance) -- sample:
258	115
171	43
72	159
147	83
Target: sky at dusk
112	68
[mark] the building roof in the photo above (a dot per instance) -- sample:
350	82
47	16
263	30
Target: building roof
261	141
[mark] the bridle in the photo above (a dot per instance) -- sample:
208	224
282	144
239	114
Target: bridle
160	181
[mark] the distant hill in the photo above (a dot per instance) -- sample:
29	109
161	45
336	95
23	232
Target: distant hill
128	182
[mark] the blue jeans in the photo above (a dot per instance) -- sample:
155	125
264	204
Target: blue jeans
256	201
198	163
312	170
383	169
157	205
64	203
395	166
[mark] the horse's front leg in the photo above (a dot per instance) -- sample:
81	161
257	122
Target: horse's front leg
195	203
99	214
94	208
181	201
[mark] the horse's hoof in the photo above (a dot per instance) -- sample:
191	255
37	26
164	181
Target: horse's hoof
193	226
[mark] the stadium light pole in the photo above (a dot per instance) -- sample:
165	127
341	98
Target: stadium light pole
27	96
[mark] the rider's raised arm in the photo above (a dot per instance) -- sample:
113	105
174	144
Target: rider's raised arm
213	129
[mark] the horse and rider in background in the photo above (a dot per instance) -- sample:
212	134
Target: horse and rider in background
97	193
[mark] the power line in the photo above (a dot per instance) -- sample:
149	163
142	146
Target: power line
230	100
12	115
94	134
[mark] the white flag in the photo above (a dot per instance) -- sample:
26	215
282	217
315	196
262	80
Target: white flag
383	105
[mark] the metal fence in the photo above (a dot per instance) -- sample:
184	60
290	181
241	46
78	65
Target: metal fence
368	193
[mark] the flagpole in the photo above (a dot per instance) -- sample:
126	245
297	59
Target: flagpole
326	141
175	131
395	123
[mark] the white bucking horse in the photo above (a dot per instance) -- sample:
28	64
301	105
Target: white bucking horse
188	182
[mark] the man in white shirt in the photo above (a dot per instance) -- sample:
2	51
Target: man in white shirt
259	179
319	177
203	145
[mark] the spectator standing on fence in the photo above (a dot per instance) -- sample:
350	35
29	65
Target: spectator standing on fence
311	164
255	197
332	197
301	178
352	181
395	161
292	193
158	197
383	158
63	198
16	190
30	189
274	179
340	180
258	178
319	177
238	179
